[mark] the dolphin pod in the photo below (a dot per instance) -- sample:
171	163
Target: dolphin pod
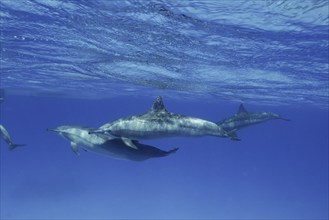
120	138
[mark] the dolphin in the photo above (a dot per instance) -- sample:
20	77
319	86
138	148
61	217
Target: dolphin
243	118
115	148
5	135
2	95
159	123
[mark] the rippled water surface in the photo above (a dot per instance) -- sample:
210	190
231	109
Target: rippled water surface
269	52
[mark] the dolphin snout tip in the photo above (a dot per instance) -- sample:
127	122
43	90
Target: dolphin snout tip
52	129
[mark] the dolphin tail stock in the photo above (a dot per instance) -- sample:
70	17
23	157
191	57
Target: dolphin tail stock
12	146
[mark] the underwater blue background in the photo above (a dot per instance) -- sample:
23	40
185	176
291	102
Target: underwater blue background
90	62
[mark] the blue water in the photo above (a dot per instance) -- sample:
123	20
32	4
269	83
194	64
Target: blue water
90	62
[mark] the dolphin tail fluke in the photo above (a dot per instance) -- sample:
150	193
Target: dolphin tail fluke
232	134
12	146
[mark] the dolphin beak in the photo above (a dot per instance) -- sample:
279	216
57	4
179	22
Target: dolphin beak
53	129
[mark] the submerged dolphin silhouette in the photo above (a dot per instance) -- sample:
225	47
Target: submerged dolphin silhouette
159	123
5	135
115	148
243	118
2	95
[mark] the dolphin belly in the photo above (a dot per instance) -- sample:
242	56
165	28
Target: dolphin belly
117	149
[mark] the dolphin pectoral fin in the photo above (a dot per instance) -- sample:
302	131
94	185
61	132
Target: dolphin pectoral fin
129	142
75	148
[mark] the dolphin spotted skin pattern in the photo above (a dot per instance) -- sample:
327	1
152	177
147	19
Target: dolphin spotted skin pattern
243	118
115	148
159	123
5	135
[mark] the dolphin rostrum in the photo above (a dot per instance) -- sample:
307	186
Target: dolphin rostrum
243	118
115	148
159	123
5	135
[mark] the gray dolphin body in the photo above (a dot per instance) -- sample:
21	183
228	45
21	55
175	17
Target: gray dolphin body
159	123
115	148
5	135
243	118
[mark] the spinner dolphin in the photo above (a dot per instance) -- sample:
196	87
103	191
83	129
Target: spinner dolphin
243	118
5	135
115	148
159	123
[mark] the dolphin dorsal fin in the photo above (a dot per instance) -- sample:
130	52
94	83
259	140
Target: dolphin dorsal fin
242	109
158	105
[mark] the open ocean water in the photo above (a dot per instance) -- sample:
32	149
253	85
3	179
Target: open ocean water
66	62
